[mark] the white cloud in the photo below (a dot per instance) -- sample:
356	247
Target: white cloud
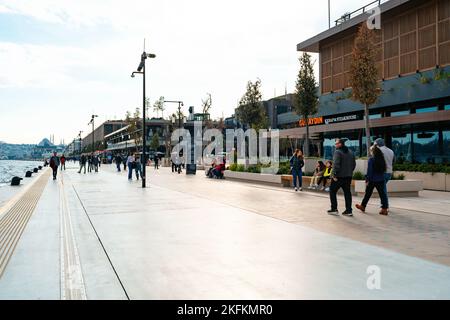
201	46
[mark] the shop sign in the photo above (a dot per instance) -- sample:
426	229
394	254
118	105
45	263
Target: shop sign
312	121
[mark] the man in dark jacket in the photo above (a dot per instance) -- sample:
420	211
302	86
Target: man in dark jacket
341	175
54	164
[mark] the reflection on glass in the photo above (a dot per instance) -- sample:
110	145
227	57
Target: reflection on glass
402	147
400	113
447	107
375	116
426	145
446	155
425	110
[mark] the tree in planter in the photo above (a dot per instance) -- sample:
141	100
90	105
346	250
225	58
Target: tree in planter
364	74
159	106
306	100
132	121
251	110
155	142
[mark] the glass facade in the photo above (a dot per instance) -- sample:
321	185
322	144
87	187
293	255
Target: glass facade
425	110
400	113
426	145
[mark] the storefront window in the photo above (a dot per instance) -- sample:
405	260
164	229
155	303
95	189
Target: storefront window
375	116
328	148
446	155
402	147
425	110
426	145
447	107
400	113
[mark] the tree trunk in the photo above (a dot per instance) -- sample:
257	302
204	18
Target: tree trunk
307	138
368	138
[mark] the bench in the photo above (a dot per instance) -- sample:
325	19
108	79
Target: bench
288	182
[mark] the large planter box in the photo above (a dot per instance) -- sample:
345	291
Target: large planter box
361	166
253	177
288	182
436	181
396	188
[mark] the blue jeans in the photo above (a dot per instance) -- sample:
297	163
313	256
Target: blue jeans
297	175
130	172
387	178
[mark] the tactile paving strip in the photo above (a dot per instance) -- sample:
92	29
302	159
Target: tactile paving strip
14	221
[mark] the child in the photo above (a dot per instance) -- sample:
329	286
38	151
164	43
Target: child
318	173
326	176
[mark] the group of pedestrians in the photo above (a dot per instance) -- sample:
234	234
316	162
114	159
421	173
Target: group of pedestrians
92	162
340	172
131	162
379	173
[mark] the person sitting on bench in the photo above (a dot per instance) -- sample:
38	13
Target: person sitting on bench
326	175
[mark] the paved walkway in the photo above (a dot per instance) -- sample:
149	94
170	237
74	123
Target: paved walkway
98	236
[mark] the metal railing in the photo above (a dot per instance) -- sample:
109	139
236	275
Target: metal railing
349	15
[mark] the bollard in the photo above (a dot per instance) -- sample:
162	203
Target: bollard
28	174
40	167
16	181
35	170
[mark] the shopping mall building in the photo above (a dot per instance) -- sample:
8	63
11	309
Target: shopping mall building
413	111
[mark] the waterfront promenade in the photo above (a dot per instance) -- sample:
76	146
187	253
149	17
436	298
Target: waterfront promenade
98	236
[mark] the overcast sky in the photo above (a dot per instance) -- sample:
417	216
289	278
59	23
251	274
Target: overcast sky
62	60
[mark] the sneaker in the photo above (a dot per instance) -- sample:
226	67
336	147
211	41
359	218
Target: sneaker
347	213
295	189
384	212
327	190
361	208
301	189
333	212
322	189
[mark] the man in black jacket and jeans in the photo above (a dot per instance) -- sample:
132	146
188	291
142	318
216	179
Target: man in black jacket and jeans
342	175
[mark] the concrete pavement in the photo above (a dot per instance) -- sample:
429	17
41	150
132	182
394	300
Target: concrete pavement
188	237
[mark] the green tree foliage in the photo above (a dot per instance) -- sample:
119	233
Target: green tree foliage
159	107
364	73
251	110
155	142
132	121
306	100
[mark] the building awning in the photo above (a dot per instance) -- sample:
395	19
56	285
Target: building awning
300	133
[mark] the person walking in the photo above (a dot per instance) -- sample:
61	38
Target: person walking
297	163
83	161
95	163
118	160
54	164
124	159
63	163
156	160
344	165
389	158
138	167
130	161
375	178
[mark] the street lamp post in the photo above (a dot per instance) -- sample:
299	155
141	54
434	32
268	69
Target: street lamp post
79	136
93	129
141	70
180	104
